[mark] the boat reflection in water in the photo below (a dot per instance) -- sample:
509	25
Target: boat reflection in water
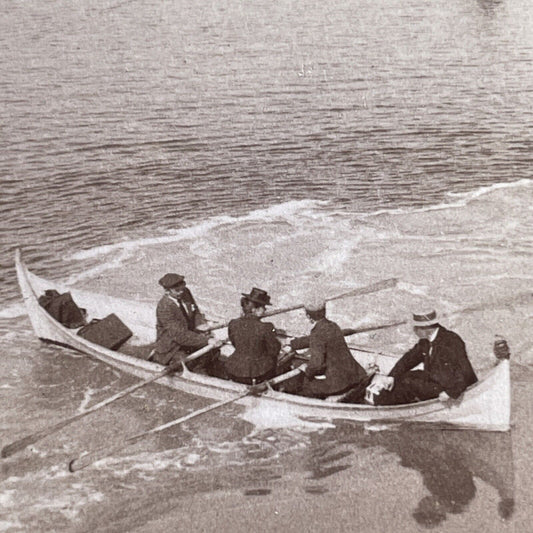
220	451
448	461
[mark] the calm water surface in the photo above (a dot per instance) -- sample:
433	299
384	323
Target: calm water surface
123	119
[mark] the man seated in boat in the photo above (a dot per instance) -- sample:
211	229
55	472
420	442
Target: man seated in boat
178	318
331	369
446	374
255	358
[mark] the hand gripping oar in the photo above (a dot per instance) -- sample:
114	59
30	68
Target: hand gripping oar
20	444
375	287
91	457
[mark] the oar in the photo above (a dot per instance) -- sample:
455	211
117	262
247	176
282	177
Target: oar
522	298
91	457
373	352
284	377
85	460
375	287
20	444
300	343
305	356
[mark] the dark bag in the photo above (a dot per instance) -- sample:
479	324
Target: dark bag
109	332
63	308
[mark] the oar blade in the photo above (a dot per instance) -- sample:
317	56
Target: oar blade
85	460
21	444
92	457
81	462
368	289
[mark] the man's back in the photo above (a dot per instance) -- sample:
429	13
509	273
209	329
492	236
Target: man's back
256	347
331	357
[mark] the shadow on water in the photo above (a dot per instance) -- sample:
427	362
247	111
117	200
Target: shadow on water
489	7
448	461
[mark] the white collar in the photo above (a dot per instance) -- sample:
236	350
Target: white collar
173	298
433	336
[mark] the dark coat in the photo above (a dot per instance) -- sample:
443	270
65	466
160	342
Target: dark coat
330	356
256	347
448	364
175	327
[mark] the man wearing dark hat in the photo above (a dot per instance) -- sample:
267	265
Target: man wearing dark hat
256	346
177	320
447	370
331	368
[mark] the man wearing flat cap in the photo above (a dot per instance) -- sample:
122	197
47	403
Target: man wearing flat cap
178	318
331	369
447	370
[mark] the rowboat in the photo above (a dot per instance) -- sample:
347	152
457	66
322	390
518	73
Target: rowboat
486	405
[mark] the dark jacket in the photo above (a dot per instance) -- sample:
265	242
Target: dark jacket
330	356
448	364
256	347
175	326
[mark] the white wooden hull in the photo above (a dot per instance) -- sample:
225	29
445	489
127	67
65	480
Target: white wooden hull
484	406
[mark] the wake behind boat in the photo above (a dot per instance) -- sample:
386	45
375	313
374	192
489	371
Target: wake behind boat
483	406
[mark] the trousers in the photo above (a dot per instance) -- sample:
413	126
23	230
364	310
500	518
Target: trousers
413	386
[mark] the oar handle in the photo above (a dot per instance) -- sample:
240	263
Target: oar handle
259	388
290	374
373	352
202	351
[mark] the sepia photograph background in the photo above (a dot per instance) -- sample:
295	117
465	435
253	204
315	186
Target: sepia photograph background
293	145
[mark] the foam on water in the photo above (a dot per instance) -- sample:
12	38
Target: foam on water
177	235
66	499
87	396
284	211
525	183
464	199
204	455
6	525
451	257
265	417
291	212
319	242
126	251
13	311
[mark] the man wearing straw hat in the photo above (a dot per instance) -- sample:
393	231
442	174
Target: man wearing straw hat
447	371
